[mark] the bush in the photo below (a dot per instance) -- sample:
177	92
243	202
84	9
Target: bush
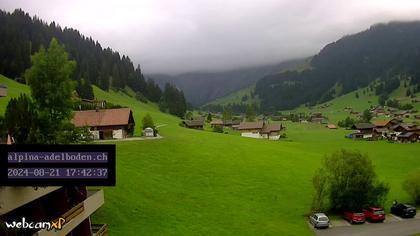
412	186
147	122
346	123
218	129
347	181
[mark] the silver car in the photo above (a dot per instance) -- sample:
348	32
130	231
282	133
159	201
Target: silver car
319	220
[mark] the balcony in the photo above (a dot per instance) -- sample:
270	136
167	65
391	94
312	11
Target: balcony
78	214
14	197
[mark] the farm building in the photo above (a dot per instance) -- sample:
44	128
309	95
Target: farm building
260	130
106	123
386	123
404	128
224	123
3	90
364	131
193	124
317	117
409	137
216	122
379	110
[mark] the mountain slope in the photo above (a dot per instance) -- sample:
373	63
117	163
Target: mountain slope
203	87
384	52
22	35
241	96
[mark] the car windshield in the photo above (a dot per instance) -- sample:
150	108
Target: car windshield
379	212
323	218
358	214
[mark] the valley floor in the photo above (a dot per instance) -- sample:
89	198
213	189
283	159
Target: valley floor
203	183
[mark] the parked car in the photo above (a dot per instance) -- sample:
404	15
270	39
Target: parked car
374	214
319	220
403	210
354	217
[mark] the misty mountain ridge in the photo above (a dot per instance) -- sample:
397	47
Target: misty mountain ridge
386	53
202	87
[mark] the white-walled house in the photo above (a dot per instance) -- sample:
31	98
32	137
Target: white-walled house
260	129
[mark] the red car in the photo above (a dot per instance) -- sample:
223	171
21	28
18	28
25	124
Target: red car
374	214
354	217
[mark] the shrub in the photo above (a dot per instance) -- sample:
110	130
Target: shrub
412	186
347	181
147	122
218	129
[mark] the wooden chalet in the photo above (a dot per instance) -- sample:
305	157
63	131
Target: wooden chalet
260	129
106	123
193	124
3	90
364	131
216	123
409	137
379	110
386	123
383	127
404	128
224	123
317	117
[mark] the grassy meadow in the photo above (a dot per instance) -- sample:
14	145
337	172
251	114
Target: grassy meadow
203	183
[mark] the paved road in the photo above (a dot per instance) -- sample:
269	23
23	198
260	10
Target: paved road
401	228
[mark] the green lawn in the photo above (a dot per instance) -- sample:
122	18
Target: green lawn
14	89
204	183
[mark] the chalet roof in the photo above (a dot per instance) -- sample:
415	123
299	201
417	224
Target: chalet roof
331	126
407	135
250	125
407	127
363	126
193	123
381	123
103	117
216	122
267	128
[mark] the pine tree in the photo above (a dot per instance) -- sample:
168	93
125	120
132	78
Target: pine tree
250	113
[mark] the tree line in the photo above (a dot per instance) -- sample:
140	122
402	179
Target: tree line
21	36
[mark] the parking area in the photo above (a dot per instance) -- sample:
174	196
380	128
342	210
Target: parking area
393	225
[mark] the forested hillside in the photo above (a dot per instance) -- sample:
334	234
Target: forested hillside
21	36
385	52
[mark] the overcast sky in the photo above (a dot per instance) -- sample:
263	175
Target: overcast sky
173	36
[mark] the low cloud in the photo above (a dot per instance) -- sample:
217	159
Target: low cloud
166	36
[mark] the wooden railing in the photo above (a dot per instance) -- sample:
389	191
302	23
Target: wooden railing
73	212
99	229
